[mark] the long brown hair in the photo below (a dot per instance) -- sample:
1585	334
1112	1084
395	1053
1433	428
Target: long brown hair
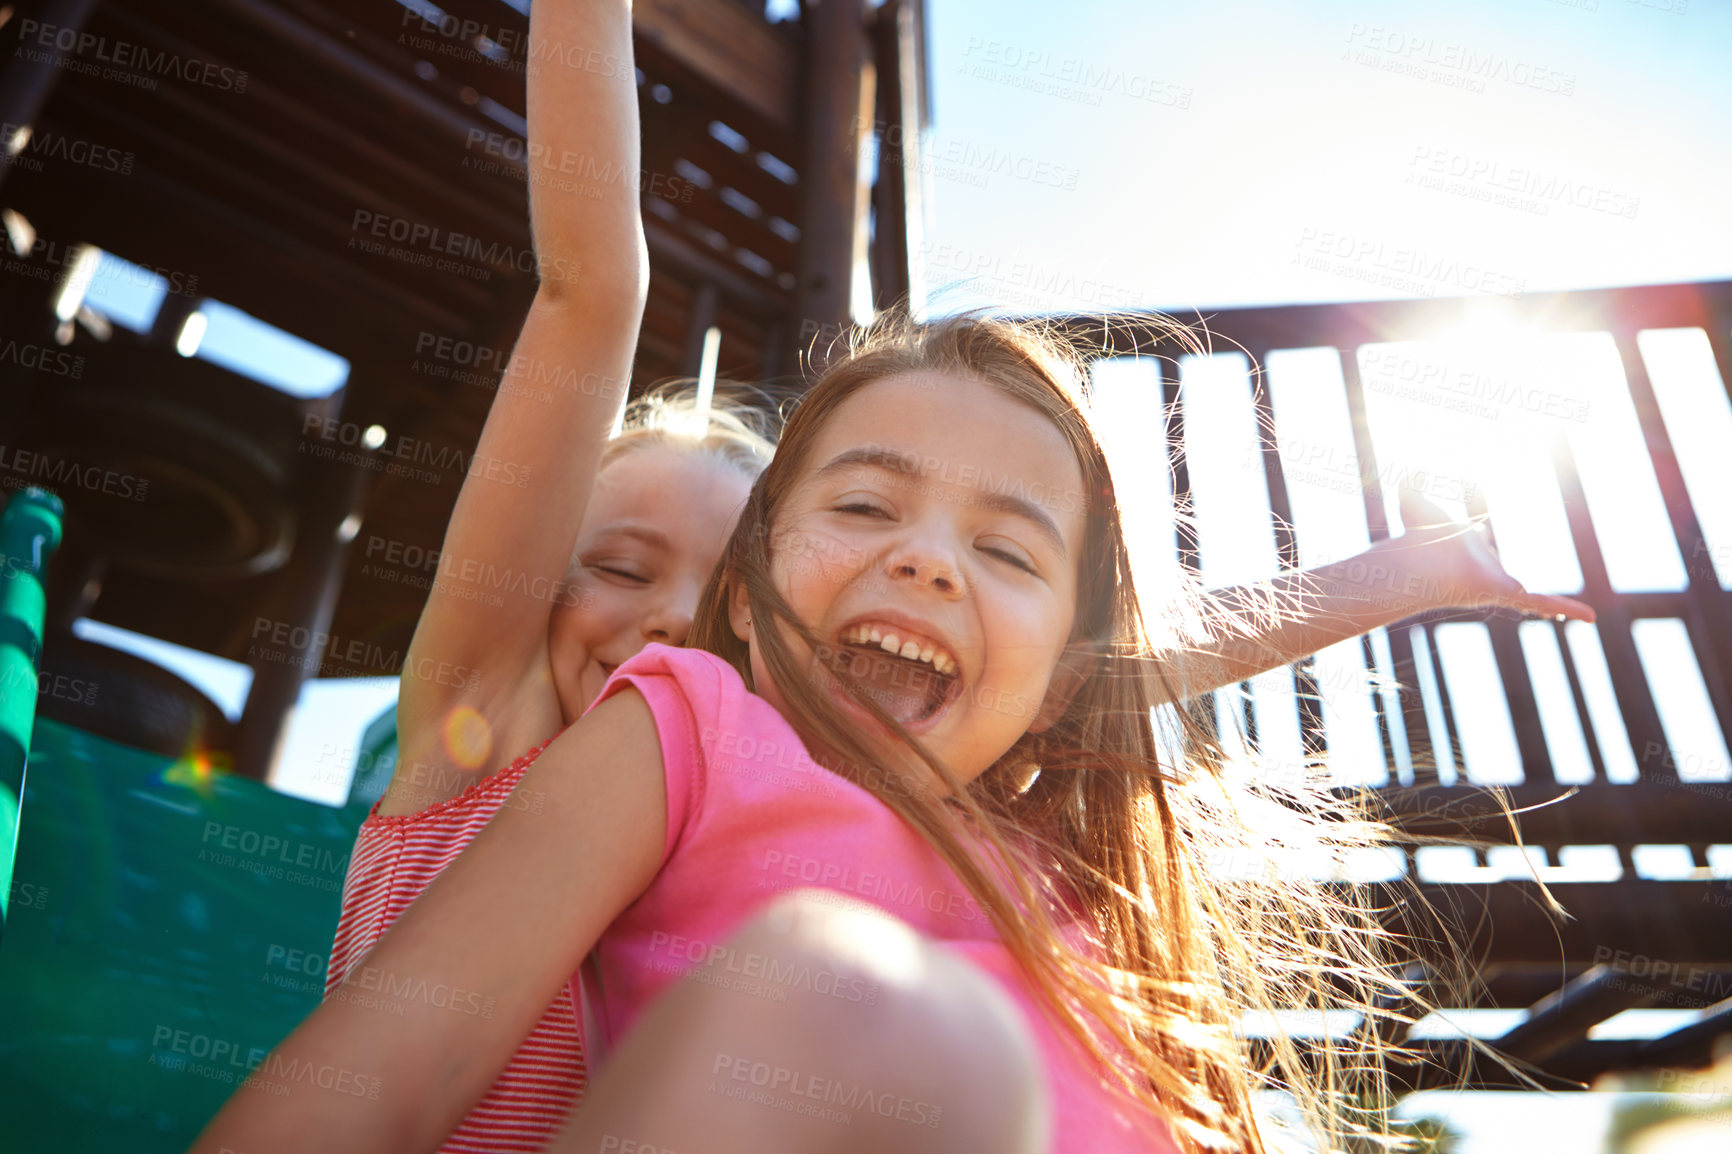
1099	816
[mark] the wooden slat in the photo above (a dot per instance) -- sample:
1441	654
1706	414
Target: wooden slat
1347	326
236	258
689	137
336	125
706	209
740	287
1708	616
743	56
1692	1045
1506	921
1599	814
395	35
1613	617
1564	1017
316	55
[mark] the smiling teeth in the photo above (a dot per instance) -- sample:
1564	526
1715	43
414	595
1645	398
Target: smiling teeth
910	649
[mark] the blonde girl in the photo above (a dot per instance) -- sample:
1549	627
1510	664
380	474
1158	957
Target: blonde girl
613	540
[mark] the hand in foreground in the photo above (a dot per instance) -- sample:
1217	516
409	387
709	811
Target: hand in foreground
1452	565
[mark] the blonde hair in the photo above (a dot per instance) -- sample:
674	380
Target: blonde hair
732	429
1100	816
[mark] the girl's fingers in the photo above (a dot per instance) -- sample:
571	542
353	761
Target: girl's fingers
1544	605
1417	512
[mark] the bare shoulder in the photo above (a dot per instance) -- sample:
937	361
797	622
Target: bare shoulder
589	818
617	738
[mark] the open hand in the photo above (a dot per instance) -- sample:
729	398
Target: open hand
1457	567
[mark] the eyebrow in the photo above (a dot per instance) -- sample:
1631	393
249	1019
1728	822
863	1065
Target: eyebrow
638	530
908	465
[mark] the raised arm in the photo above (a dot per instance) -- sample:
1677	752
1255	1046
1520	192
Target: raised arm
1436	564
422	1026
522	503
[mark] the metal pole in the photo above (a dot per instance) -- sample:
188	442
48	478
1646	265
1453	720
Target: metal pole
29	534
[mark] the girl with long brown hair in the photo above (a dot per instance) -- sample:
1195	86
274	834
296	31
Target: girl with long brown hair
1056	927
920	683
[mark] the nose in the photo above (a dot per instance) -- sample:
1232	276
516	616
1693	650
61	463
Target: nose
669	622
926	562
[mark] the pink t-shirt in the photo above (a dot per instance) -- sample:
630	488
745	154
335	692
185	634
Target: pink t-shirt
751	815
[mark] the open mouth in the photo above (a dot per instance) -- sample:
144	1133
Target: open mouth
911	678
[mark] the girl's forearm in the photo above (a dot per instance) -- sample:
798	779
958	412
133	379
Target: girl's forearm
402	1050
321	1090
1261	627
522	513
584	150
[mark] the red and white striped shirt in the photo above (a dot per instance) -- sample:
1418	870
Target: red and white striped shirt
395	858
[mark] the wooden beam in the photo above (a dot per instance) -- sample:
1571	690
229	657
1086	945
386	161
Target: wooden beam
324	58
698	324
897	192
1691	1045
304	596
241	260
1347	326
1614	617
833	197
729	47
26	82
672	252
318	126
1597	814
1504	922
1709	620
1564	1017
397	37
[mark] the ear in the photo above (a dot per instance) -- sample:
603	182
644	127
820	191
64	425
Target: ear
1076	665
739	609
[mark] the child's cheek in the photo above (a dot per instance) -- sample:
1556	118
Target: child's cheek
574	597
812	559
807	590
584	610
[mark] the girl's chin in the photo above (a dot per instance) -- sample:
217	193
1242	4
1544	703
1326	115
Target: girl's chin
914	779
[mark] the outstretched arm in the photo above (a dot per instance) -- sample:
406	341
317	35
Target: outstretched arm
425	1023
1436	564
580	335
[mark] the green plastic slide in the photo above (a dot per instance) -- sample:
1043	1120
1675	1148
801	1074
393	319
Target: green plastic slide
169	926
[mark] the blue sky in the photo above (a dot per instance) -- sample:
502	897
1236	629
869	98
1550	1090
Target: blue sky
1177	155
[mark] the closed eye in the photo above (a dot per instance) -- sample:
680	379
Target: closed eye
860	507
1012	558
623	574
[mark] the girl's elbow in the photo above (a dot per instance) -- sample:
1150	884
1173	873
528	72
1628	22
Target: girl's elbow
596	278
